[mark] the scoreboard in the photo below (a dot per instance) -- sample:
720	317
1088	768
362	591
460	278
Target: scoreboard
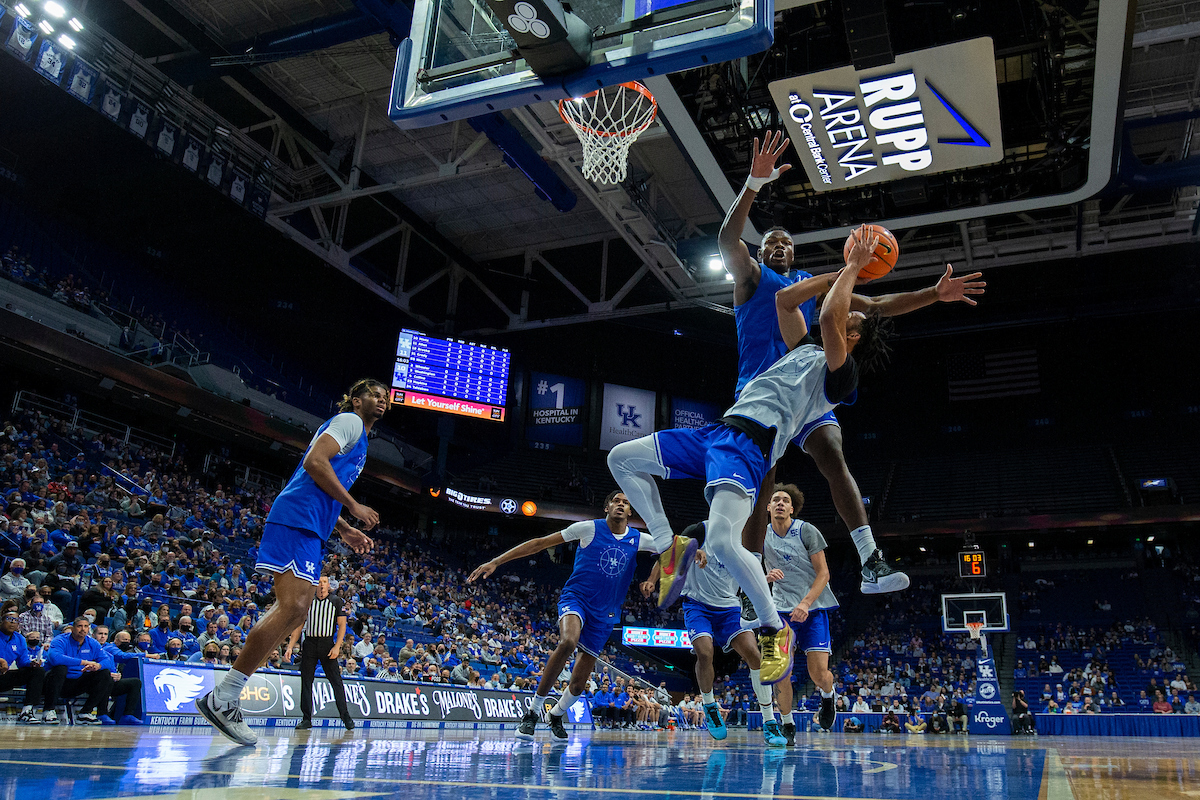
451	376
971	564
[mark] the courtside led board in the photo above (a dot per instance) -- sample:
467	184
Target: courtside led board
931	111
451	376
462	59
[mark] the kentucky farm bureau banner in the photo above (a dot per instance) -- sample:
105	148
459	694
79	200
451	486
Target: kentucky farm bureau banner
931	111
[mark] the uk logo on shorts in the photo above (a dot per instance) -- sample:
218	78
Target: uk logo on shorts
310	566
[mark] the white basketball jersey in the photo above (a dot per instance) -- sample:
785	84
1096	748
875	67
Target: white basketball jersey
713	585
792	555
787	396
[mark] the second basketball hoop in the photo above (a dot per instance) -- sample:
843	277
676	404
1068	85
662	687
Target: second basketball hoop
608	121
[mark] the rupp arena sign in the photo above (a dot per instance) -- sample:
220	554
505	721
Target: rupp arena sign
931	111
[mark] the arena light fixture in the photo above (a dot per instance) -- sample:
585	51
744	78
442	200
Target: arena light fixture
54	9
46	27
922	549
1089	541
1031	544
728	277
715	263
67	42
75	24
1149	538
21	9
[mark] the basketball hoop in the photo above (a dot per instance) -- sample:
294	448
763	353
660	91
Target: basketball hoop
608	121
975	629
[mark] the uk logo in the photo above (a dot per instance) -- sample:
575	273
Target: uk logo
613	562
986	671
179	685
310	566
630	417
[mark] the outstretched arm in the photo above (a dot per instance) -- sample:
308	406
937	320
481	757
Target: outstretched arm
741	265
836	307
520	551
792	323
948	289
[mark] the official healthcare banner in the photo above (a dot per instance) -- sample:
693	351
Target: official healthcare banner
931	111
172	689
693	413
628	414
988	714
555	409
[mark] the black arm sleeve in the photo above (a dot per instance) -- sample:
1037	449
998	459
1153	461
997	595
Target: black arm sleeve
841	382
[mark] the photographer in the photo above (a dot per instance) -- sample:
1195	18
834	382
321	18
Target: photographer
1022	720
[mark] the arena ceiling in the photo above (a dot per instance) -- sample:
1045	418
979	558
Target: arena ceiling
437	222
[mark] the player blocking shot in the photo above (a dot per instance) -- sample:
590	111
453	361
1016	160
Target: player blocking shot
588	607
306	512
712	613
760	344
734	455
794	556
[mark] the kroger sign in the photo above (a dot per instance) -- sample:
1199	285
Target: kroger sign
931	111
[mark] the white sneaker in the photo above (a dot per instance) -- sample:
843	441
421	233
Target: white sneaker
227	720
50	717
86	719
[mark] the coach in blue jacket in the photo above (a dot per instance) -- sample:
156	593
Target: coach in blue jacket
73	666
17	667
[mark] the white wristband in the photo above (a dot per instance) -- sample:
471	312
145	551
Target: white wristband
756	184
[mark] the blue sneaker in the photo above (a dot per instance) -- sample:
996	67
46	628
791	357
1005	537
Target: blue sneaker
105	719
716	724
130	719
773	734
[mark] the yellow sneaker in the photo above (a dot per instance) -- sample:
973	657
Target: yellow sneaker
675	562
776	650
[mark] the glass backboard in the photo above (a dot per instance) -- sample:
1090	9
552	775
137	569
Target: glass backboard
461	60
990	607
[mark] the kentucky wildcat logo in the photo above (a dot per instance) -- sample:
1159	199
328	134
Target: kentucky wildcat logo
179	685
448	701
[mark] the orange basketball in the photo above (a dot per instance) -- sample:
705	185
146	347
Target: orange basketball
886	252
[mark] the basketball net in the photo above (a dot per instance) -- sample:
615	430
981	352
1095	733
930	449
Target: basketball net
976	629
608	121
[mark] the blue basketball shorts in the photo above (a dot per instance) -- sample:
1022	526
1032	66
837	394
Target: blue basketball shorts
293	550
722	625
812	635
717	453
829	419
595	626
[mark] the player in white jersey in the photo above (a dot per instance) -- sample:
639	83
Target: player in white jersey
734	455
794	556
713	615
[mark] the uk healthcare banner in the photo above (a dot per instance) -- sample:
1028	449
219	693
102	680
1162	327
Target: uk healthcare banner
988	715
628	414
555	409
693	413
171	690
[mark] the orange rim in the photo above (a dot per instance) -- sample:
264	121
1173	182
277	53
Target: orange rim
633	85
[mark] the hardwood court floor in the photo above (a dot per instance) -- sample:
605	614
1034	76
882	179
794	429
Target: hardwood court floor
88	763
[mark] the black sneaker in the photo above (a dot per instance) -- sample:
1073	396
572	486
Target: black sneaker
879	578
557	732
828	713
304	724
349	723
227	720
789	733
528	726
748	612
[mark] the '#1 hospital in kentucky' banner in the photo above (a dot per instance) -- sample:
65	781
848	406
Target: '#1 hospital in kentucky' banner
931	111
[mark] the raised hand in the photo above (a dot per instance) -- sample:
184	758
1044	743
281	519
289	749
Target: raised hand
954	290
482	571
863	249
764	156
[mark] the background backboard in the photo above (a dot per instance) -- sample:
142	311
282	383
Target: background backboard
461	61
958	608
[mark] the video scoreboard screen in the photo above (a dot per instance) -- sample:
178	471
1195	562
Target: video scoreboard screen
450	375
971	564
655	637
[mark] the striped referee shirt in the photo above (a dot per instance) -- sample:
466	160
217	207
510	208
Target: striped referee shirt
323	616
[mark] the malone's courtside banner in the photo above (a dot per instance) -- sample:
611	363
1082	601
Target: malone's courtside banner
931	111
172	689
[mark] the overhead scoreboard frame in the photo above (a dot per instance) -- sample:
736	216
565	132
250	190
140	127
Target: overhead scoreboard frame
972	564
452	376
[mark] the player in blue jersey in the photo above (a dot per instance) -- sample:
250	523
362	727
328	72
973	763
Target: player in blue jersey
760	344
302	518
712	613
589	605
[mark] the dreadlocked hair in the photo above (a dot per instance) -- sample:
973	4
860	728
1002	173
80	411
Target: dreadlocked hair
872	351
360	388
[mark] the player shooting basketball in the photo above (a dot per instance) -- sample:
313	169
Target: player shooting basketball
761	344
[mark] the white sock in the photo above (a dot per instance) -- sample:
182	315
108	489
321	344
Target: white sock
829	694
565	702
727	515
229	690
787	718
707	697
761	693
864	540
768	712
633	465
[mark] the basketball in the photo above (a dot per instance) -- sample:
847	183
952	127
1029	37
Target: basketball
886	252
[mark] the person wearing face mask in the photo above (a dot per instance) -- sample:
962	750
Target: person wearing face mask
186	634
72	668
161	634
52	611
175	650
13	583
210	654
35	620
19	668
116	654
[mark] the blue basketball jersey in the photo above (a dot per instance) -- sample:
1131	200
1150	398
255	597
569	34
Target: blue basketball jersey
604	569
302	504
760	342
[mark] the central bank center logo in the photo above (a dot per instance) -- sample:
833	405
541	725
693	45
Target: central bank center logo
629	418
181	686
613	562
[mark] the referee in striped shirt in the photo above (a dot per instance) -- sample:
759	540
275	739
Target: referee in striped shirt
320	644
